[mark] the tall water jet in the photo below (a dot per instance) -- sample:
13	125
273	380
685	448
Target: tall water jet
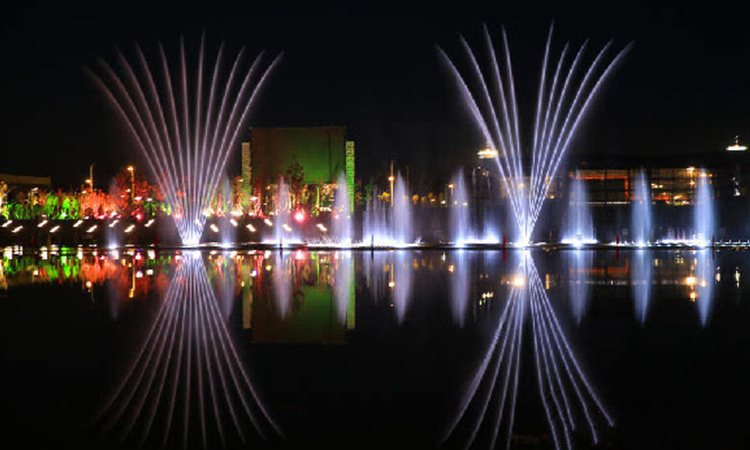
185	125
401	214
375	223
703	213
579	225
282	229
641	216
458	206
342	218
561	104
640	279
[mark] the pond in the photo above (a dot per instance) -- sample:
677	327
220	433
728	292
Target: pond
421	348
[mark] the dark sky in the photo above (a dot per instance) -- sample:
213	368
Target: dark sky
684	88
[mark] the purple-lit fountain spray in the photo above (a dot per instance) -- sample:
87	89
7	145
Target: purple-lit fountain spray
565	94
185	123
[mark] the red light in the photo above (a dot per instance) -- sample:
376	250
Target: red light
299	216
299	255
138	217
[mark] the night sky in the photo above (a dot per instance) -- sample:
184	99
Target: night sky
684	88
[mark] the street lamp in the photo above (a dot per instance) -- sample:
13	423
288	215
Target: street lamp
131	169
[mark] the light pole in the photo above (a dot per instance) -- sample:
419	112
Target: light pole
390	180
131	169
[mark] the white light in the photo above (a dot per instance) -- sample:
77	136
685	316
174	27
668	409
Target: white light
268	222
233	222
90	230
42	223
250	227
114	223
129	229
77	224
18	228
287	228
214	228
518	281
5	225
150	222
54	229
322	227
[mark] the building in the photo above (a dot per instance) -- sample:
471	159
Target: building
310	159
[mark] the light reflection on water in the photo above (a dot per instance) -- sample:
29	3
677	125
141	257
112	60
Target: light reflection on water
191	383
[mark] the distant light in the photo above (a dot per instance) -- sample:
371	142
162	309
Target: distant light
129	229
18	228
487	153
518	281
287	228
5	225
130	168
233	222
114	223
91	230
250	227
214	228
42	223
268	222
77	224
322	227
299	216
254	273
149	223
391	284
736	148
54	229
690	281
391	178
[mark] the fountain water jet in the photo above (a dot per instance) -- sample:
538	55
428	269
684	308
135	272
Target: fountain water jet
579	228
561	104
342	220
185	138
641	218
703	222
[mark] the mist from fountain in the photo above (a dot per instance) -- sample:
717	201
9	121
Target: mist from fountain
342	225
491	97
579	225
185	126
641	211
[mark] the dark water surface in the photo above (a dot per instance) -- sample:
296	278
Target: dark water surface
384	349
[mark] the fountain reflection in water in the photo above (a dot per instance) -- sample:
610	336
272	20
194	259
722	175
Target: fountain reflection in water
563	386
579	263
641	280
187	383
459	273
704	284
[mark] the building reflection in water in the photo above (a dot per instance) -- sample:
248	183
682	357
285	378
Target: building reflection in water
565	391
187	383
579	264
641	280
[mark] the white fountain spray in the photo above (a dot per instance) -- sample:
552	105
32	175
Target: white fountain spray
186	138
491	97
641	218
579	228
